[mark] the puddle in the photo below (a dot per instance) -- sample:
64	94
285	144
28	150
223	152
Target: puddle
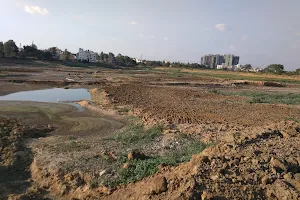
54	95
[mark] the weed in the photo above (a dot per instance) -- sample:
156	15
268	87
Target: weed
136	133
140	168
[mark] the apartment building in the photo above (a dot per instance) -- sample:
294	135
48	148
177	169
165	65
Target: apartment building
213	61
87	55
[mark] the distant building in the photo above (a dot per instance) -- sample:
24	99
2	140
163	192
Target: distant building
87	55
209	60
137	60
213	61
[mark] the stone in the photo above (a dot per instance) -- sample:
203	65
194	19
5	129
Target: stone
136	155
126	165
102	172
159	185
297	177
277	165
206	196
265	180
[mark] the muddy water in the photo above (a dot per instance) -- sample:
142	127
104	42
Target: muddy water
50	95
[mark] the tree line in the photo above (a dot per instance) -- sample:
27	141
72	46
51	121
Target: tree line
9	49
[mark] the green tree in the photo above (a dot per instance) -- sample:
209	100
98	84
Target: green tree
275	68
65	55
44	55
1	50
10	49
246	67
101	56
297	71
30	51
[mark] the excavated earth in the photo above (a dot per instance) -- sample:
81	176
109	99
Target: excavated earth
253	152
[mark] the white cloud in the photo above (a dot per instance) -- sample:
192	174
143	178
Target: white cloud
245	37
232	47
166	38
133	23
36	10
221	27
152	37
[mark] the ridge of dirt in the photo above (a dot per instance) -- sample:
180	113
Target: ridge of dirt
264	166
16	157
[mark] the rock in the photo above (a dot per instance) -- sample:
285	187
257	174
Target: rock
297	177
126	165
281	190
102	172
265	180
214	177
277	165
159	185
136	155
206	196
104	190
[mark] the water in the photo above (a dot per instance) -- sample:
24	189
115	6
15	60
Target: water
54	95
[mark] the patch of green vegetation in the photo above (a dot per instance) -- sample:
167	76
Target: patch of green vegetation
262	97
136	133
292	119
136	136
140	168
235	76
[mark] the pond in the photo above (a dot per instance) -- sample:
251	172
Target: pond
54	95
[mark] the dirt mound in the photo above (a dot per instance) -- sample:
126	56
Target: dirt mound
265	166
15	157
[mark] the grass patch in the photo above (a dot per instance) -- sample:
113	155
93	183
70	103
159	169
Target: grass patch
262	97
137	134
155	149
140	168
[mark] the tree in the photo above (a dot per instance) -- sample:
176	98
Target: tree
65	55
297	71
246	67
275	68
30	51
10	49
45	55
101	56
1	50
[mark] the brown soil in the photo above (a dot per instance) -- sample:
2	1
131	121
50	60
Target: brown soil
254	152
259	166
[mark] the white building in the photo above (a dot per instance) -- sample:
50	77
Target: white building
137	60
87	55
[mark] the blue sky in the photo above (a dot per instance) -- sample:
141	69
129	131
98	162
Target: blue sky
261	32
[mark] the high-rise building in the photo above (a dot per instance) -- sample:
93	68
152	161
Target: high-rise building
236	60
226	60
219	59
208	60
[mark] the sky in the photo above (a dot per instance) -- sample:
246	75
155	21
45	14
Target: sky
261	32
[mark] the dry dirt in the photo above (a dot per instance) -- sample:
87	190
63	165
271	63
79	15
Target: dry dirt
255	152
